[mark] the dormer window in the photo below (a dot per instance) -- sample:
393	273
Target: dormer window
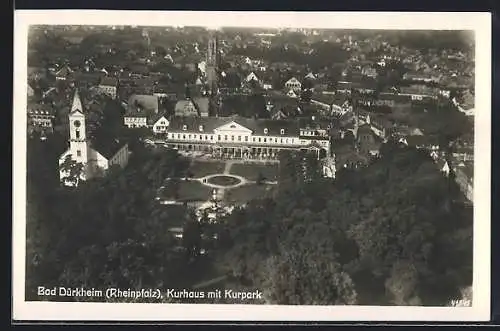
200	128
184	127
282	131
266	131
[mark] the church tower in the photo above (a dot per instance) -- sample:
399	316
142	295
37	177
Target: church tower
212	61
77	132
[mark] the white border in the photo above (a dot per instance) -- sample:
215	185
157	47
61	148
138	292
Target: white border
480	310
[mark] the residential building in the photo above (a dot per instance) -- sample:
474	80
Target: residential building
465	180
192	107
64	73
293	84
160	124
421	77
97	153
381	127
41	116
140	108
108	86
369	71
237	137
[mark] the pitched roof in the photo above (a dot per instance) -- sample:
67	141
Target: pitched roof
257	126
180	106
77	103
155	117
202	104
107	146
42	109
109	81
64	71
147	102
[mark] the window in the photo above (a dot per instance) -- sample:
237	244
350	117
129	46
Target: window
218	137
275	140
232	138
78	153
246	138
282	140
259	139
225	137
282	131
211	137
239	138
178	136
189	136
266	131
184	127
265	139
183	136
253	139
77	132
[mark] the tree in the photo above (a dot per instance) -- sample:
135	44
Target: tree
299	278
306	95
191	238
72	171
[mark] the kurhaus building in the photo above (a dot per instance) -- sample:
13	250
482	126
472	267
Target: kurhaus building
236	137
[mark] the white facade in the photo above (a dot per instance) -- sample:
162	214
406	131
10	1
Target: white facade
108	90
161	125
252	76
235	136
135	121
293	84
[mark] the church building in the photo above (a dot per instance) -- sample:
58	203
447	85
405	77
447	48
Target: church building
88	155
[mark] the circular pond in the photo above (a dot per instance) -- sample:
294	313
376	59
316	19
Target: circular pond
223	180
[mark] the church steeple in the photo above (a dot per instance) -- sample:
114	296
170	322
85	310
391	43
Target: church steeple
77	103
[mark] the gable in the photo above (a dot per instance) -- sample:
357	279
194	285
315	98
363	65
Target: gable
160	120
233	127
252	76
293	81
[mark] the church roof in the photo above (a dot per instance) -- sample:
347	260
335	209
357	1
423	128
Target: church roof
106	146
77	103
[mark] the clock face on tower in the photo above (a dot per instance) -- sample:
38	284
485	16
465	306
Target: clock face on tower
76	123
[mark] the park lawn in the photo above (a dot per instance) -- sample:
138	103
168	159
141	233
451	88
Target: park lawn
244	194
193	191
201	169
251	171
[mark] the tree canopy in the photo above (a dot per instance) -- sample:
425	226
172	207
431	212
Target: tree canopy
378	235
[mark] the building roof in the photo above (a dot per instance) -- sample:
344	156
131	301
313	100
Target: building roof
64	71
202	104
257	126
181	105
107	146
149	103
77	103
155	117
419	89
41	109
109	81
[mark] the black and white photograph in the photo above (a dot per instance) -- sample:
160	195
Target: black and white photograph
332	166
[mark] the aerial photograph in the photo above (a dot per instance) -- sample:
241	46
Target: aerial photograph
261	166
